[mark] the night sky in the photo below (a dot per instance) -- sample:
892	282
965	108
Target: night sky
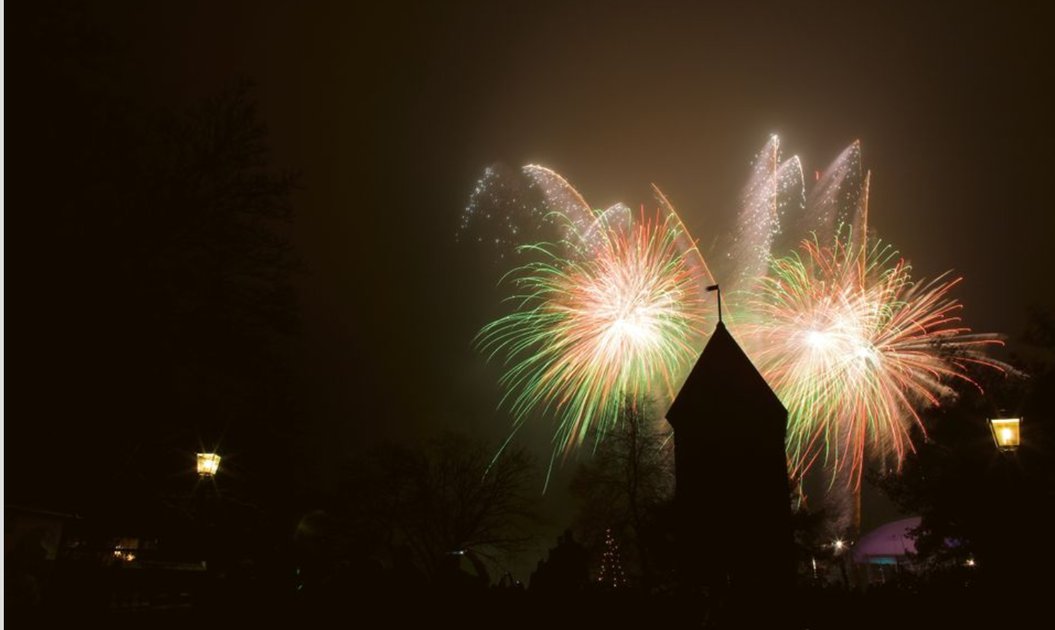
392	114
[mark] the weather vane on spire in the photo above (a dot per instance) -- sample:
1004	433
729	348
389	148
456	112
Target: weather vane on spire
715	287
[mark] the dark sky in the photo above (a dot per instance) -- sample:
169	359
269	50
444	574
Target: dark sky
392	113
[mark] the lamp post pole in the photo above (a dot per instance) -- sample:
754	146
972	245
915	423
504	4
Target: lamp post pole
208	465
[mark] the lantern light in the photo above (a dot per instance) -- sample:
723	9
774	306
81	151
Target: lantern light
208	464
1006	432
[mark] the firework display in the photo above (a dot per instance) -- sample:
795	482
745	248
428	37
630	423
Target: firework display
854	348
612	305
851	343
613	310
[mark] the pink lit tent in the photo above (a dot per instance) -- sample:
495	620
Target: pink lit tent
888	543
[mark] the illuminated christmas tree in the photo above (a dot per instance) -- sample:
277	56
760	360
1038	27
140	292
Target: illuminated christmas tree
611	575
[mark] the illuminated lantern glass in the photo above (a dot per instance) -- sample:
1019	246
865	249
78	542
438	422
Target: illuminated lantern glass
1006	432
208	464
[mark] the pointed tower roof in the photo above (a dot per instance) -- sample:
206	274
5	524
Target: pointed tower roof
723	376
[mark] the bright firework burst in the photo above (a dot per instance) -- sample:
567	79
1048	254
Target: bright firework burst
854	348
614	311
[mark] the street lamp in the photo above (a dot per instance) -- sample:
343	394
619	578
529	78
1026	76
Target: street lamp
208	464
1006	432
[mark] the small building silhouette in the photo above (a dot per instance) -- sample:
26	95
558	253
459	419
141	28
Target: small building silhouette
566	570
732	495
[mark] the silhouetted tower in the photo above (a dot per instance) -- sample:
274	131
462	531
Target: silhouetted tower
732	495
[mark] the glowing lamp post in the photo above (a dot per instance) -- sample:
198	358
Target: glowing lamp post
1006	432
208	464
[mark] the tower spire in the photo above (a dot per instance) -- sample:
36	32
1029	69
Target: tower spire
715	287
